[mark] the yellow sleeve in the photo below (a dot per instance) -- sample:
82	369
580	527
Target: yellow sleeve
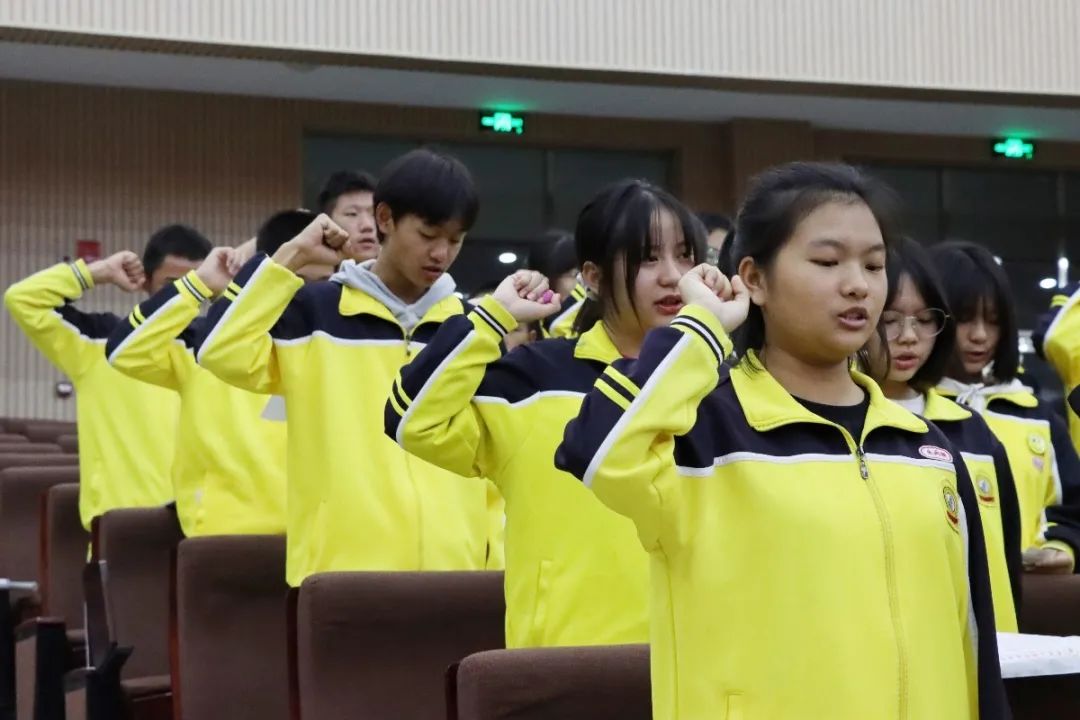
148	346
430	412
238	345
622	442
40	305
1061	347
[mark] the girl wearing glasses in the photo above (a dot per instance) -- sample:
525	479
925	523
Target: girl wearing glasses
983	374
921	336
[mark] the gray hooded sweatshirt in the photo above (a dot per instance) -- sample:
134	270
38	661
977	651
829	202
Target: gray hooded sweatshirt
359	276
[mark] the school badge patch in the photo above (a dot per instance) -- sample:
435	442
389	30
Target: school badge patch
985	490
952	507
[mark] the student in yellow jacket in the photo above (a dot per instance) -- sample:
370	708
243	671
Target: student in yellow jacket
332	350
815	552
1058	341
229	470
575	573
126	428
920	336
983	376
563	271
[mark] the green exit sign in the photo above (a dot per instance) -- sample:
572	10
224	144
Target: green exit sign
502	122
1014	148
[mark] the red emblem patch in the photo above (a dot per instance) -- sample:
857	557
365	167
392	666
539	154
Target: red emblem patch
933	452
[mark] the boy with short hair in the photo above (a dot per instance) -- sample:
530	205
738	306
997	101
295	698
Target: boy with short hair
229	471
333	349
126	428
347	199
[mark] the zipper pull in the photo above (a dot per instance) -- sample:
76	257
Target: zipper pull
864	470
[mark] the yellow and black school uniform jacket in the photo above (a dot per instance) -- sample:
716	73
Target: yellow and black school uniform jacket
988	466
797	572
1044	464
127	429
575	573
1058	341
561	324
229	471
356	501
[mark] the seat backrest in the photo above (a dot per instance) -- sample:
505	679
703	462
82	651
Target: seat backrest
1051	604
377	645
586	683
10	460
8	438
231	629
135	546
30	447
68	443
21	490
64	544
48	430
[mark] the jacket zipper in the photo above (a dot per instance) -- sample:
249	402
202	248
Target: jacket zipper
890	579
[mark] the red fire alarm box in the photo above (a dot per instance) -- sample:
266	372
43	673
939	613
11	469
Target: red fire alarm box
88	250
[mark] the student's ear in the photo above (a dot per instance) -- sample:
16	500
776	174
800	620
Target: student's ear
384	218
591	276
753	277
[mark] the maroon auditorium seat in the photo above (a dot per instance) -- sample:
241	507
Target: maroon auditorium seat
1050	606
230	659
49	646
30	447
68	443
10	460
590	683
133	551
377	645
8	438
21	490
48	431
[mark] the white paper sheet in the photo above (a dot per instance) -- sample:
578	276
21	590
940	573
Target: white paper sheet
1035	655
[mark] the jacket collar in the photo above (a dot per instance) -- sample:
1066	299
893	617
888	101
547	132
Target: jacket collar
767	405
596	344
939	407
978	395
358	302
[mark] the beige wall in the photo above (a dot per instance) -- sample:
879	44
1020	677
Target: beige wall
111	165
1010	46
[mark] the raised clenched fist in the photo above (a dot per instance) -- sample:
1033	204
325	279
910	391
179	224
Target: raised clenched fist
320	243
526	296
727	299
123	269
216	270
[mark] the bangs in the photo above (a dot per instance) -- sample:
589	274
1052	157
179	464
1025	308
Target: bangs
969	287
441	197
436	188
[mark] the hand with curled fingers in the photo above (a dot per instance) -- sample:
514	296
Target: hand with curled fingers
241	255
1047	561
728	300
320	243
123	269
216	270
526	296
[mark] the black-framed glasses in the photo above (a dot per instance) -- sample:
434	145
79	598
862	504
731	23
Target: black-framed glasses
926	323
